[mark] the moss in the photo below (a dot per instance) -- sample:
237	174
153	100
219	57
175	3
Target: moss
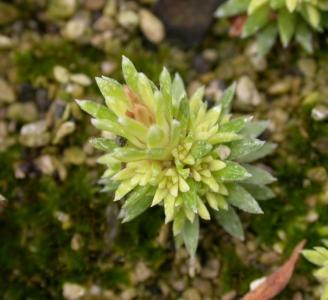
37	63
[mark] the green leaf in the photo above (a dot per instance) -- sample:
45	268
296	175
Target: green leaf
115	97
127	154
266	149
175	133
324	295
184	115
254	129
259	175
155	137
117	129
232	8
312	15
130	74
315	257
266	38
96	110
165	83
137	202
110	186
291	5
133	127
230	221
259	192
103	144
240	149
226	99
304	37
178	92
240	198
256	21
224	137
277	4
235	125
190	197
255	4
190	235
286	25
200	148
146	92
178	222
232	172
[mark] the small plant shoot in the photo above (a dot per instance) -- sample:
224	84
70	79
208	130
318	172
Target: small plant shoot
288	19
193	161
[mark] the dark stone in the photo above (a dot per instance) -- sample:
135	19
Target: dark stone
200	64
26	92
186	20
59	109
42	100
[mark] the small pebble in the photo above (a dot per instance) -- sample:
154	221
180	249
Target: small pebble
74	156
247	94
74	29
81	79
45	164
34	134
73	291
191	294
94	4
61	9
7	94
317	174
319	113
128	19
151	26
5	42
64	130
142	272
61	74
308	66
229	295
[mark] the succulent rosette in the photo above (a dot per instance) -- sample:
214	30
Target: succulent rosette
288	18
319	257
192	160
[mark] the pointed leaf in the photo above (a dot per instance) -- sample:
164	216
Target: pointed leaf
230	221
259	192
190	235
103	144
266	149
266	38
232	8
235	125
200	149
256	21
240	198
226	99
242	148
96	110
286	25
137	202
127	154
254	129
304	37
130	74
232	172
259	175
115	97
256	4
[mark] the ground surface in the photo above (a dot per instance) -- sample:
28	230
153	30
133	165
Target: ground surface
60	236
